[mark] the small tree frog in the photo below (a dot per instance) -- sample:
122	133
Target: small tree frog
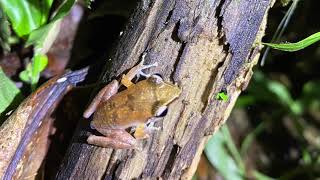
136	106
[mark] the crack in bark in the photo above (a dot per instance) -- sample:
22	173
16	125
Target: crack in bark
189	60
177	64
171	158
175	31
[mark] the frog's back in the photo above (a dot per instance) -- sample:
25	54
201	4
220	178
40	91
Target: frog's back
127	108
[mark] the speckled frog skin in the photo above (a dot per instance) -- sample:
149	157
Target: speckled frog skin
135	106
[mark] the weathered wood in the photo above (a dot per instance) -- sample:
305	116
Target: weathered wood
205	46
26	129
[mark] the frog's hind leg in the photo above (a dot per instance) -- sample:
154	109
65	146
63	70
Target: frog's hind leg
114	138
103	95
136	71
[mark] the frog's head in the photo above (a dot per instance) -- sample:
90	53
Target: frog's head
166	92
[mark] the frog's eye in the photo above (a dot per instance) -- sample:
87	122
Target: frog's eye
161	111
156	78
91	125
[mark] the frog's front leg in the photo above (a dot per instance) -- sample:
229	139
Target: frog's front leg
113	138
136	71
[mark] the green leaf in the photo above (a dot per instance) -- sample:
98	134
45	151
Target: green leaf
32	72
40	62
39	36
284	96
251	136
307	158
280	91
222	96
281	28
295	46
216	151
25	75
232	147
25	16
8	92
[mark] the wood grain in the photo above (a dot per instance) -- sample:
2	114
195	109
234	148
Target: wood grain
205	46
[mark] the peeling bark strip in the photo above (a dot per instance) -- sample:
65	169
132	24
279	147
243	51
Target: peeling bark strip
241	22
17	131
183	37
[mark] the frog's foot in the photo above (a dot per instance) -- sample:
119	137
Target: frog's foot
141	132
118	139
126	79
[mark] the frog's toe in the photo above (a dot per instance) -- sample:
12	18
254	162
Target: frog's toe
141	73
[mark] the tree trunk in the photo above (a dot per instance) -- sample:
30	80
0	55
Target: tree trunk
206	47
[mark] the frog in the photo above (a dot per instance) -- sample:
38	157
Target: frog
137	108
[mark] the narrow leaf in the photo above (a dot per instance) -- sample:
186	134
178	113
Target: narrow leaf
232	147
40	62
291	47
216	152
250	137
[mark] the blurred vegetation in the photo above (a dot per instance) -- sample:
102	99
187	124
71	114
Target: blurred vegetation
31	22
282	106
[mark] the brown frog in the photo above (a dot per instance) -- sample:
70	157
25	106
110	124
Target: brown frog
135	107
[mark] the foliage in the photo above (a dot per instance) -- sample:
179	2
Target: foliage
30	20
263	89
296	107
39	36
223	153
216	151
4	32
286	2
225	157
290	47
32	72
26	16
281	27
8	92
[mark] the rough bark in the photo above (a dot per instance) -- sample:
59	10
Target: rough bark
205	46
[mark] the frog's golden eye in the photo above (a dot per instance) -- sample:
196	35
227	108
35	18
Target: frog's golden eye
157	79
